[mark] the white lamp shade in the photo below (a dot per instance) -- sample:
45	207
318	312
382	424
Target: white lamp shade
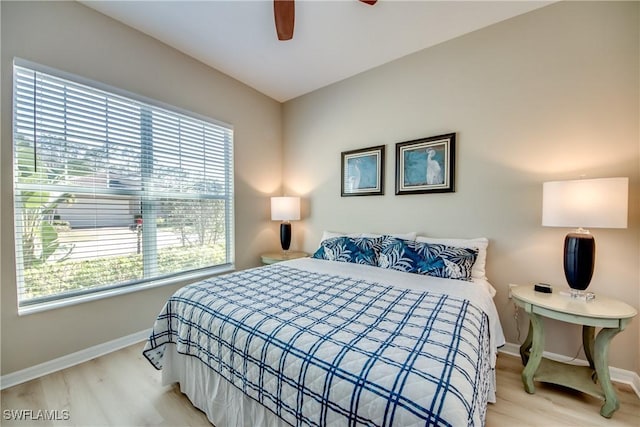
588	203
285	208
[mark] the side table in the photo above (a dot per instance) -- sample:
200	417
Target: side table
273	257
606	313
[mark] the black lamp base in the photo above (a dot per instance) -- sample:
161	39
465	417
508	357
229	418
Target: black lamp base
285	235
579	258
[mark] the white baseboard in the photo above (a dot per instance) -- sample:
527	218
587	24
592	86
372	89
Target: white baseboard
72	359
617	374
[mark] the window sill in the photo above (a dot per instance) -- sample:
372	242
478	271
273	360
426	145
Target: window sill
80	299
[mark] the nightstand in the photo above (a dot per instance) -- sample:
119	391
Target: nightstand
602	312
273	257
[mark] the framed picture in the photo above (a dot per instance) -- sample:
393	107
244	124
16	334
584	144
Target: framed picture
426	165
363	172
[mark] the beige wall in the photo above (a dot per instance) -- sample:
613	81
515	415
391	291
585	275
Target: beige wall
71	37
553	94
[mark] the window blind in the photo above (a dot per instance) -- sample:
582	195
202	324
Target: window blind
112	190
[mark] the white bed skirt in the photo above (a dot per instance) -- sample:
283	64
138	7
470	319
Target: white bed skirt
224	404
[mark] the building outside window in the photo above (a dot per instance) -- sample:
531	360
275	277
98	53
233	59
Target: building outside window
112	190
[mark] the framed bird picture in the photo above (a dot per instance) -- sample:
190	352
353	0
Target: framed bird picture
426	165
362	172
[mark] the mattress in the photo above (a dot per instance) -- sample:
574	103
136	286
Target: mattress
315	342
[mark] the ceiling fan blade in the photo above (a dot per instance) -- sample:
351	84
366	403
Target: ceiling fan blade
284	12
369	2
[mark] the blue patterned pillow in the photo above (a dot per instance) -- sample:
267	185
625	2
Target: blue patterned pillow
424	258
359	250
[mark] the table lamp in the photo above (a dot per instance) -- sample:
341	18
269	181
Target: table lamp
593	203
285	209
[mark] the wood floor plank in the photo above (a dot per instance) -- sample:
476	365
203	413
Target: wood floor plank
123	389
553	405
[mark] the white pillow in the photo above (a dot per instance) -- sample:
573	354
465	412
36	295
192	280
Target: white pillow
331	234
480	243
404	236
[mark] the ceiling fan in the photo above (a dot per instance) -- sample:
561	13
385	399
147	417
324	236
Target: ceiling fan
284	12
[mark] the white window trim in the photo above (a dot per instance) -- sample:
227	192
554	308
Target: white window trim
122	290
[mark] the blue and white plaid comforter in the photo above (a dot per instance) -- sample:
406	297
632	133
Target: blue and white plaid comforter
321	349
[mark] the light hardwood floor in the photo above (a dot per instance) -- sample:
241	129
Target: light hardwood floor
122	389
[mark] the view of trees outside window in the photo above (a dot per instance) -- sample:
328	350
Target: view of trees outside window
110	191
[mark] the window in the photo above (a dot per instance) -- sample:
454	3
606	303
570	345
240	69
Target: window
112	190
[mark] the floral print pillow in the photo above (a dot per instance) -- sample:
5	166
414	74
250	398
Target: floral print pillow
359	250
435	260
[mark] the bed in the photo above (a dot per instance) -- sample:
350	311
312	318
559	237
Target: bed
323	342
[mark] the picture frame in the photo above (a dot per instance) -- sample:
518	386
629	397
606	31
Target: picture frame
426	165
362	172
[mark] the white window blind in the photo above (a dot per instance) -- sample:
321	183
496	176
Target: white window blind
112	190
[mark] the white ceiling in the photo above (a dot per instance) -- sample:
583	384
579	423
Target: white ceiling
333	40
